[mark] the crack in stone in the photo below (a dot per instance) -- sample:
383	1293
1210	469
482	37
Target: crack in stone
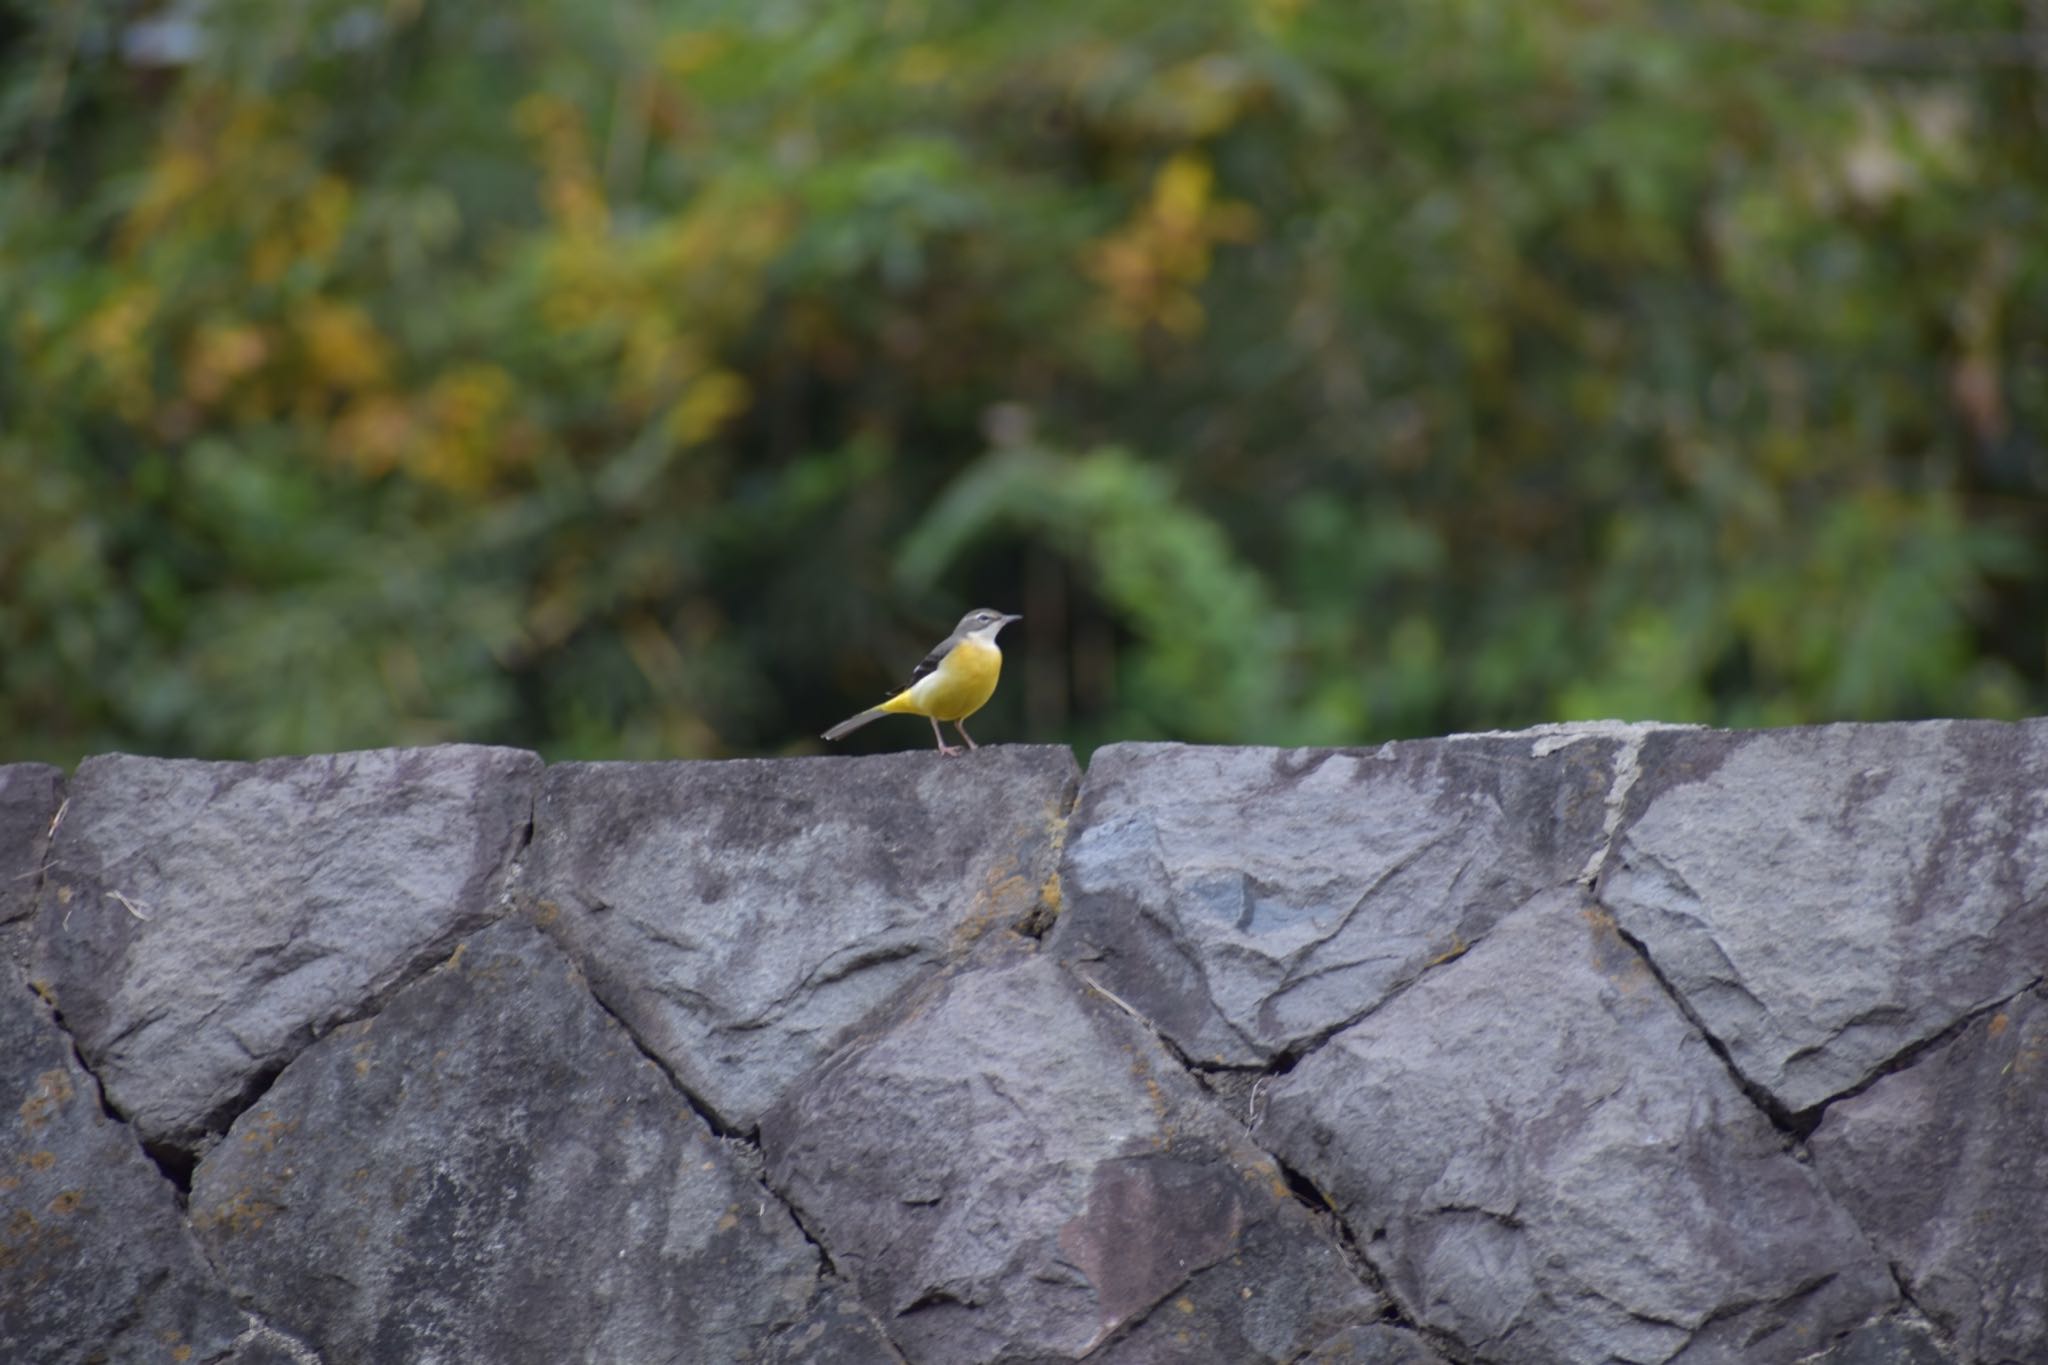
1911	1054
262	1332
1799	1124
1910	1311
178	1157
720	1127
1325	1212
173	1163
744	1148
1172	1048
1393	870
1795	1127
1299	1187
1628	770
1039	920
184	1155
1295	1053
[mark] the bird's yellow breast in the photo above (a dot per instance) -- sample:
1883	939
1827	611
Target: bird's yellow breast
964	680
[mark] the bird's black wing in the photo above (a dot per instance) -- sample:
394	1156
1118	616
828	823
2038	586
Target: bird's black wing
931	660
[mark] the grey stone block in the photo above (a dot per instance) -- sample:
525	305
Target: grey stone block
96	1262
742	916
1945	1163
1015	1170
201	922
29	796
489	1171
1249	901
1824	899
1547	1163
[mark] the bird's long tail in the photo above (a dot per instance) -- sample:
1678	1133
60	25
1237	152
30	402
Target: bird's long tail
852	723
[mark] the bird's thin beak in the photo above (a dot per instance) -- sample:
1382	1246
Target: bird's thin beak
1008	619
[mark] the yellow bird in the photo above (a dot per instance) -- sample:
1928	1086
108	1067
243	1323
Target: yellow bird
952	683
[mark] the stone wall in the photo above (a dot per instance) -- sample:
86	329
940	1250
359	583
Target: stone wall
1579	1044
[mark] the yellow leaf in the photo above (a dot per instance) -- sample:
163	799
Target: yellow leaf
710	401
343	347
220	354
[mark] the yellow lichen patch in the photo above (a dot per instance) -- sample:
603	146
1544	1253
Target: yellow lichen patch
51	1091
1004	897
1459	947
246	1212
1999	1023
1051	892
265	1130
730	1220
66	1203
1612	955
1266	1173
39	1161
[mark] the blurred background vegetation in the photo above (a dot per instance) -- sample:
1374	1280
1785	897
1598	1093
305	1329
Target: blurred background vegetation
661	378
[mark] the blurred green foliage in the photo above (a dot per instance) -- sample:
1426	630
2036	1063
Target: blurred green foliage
661	378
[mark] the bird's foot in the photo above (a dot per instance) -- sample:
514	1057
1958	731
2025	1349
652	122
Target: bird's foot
948	750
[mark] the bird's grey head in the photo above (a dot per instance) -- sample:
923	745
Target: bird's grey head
984	622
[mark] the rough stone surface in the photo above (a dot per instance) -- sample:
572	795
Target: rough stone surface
1945	1163
490	1171
1546	1162
837	1331
1250	900
1779	1099
742	916
1888	1341
264	1346
29	796
1015	1170
96	1262
200	922
1373	1344
1824	899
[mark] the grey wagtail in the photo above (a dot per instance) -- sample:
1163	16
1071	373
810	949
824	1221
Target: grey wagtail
952	683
